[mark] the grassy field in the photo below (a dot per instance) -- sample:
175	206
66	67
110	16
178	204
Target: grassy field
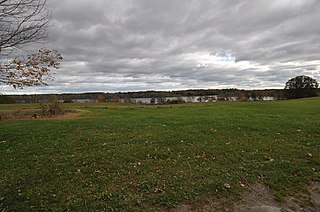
131	157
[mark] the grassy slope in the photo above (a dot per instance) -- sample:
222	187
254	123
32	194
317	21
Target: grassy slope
124	156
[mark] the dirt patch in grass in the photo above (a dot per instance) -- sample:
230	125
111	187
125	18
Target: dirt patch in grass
315	193
36	114
260	199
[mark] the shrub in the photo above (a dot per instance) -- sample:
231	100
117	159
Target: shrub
51	109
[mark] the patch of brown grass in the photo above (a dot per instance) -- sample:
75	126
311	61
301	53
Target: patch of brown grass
36	114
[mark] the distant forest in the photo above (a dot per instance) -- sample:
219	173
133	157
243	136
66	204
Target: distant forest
223	94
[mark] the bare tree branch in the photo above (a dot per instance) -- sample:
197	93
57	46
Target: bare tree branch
23	22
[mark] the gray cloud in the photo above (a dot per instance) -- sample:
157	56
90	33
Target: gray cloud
178	44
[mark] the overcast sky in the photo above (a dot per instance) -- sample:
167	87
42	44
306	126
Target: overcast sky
131	45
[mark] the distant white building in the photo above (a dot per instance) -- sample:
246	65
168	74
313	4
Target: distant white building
84	100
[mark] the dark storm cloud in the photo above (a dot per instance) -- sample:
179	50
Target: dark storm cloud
177	44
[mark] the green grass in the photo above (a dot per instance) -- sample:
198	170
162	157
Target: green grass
129	157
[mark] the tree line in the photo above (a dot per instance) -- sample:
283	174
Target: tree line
223	94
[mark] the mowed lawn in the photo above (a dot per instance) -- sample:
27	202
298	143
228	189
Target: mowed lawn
131	157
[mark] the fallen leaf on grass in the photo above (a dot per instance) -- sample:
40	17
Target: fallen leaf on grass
241	184
98	171
158	190
227	185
